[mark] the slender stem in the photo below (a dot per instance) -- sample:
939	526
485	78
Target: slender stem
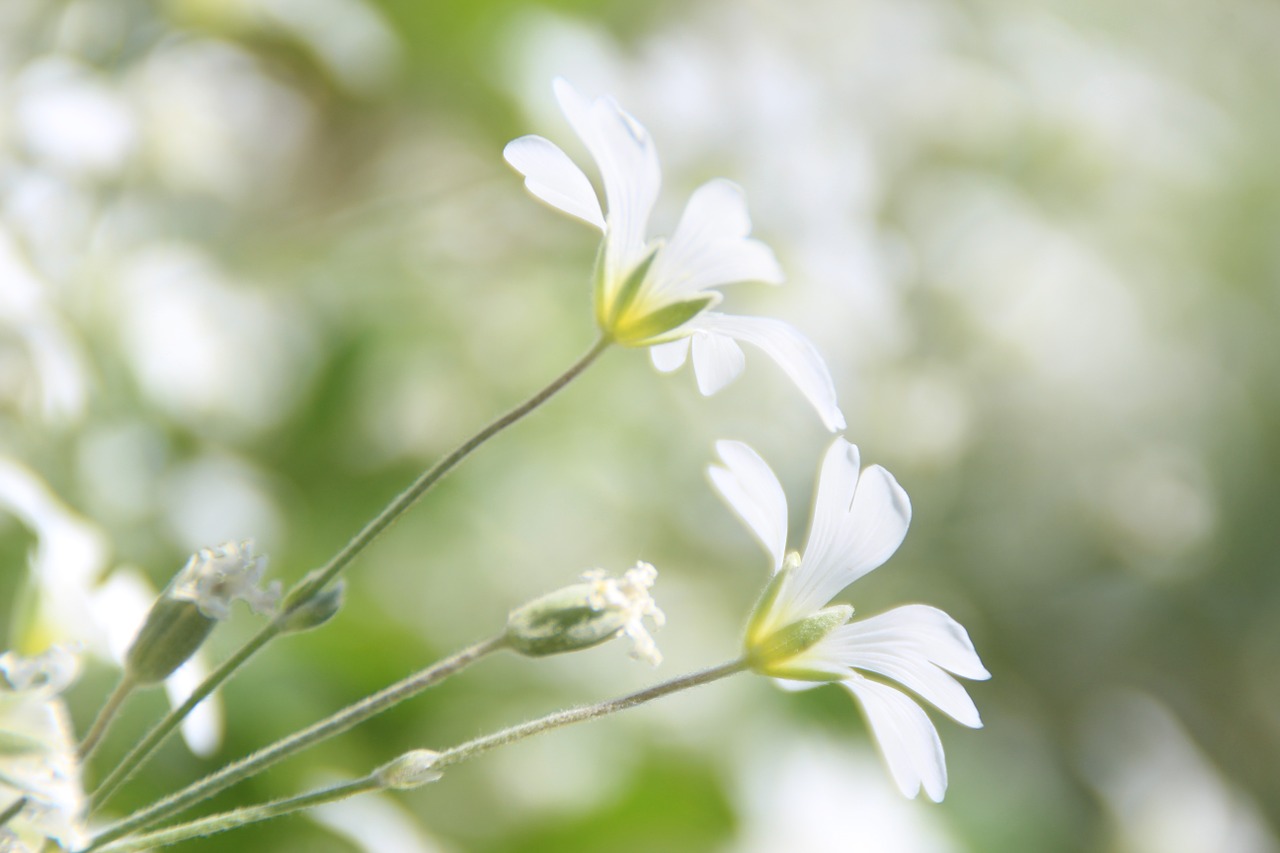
107	841
239	817
298	741
137	756
315	581
471	748
103	721
11	811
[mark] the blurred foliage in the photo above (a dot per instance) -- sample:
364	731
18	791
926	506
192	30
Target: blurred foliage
255	276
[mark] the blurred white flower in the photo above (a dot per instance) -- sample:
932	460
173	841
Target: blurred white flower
859	520
655	293
38	753
74	604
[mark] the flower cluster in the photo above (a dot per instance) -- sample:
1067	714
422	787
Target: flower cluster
38	753
658	294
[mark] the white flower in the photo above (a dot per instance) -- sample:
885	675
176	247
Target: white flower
73	604
38	753
629	598
655	293
215	577
859	520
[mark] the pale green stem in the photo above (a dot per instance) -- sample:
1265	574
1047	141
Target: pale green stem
471	748
315	581
11	811
103	721
335	724
106	843
239	817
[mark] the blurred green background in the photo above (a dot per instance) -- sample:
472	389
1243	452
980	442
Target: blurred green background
261	262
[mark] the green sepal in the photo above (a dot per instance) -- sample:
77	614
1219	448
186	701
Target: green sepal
642	332
757	623
316	611
174	630
770	655
561	621
598	288
626	295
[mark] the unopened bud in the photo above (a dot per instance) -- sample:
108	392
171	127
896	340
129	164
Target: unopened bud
411	770
173	632
587	614
318	610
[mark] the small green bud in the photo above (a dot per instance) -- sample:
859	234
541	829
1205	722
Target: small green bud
587	614
773	655
561	621
318	610
411	770
174	630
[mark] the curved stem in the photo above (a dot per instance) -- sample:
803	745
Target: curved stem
239	817
103	721
471	748
315	581
332	725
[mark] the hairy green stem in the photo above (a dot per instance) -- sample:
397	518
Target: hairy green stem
103	721
113	840
239	817
315	581
471	748
332	725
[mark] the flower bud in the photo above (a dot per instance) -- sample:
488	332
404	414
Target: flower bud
318	610
411	770
173	632
199	596
587	614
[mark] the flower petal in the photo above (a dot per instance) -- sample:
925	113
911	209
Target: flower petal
859	520
750	488
717	361
551	176
907	739
905	645
629	169
202	729
669	356
797	357
929	632
710	246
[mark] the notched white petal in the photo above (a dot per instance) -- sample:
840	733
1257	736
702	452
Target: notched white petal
906	737
717	361
752	490
793	352
551	176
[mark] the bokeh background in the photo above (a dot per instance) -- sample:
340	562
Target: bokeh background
261	262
